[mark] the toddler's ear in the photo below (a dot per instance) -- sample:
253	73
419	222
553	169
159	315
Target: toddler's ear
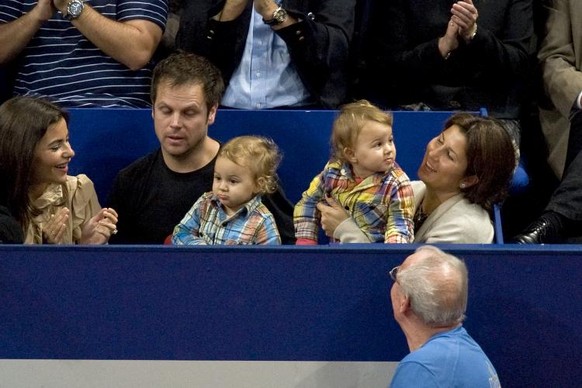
349	155
261	184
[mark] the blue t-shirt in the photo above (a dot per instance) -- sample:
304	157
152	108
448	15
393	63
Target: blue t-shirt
59	63
448	359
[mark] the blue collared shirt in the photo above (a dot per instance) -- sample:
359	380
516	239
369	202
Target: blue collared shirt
266	77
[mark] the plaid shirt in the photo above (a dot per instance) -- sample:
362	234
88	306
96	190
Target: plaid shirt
206	223
382	205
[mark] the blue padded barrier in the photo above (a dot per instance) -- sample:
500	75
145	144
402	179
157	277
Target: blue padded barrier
281	303
107	140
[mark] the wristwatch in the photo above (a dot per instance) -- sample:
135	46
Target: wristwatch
74	9
279	16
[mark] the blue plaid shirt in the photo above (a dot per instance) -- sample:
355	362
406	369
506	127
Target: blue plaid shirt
206	223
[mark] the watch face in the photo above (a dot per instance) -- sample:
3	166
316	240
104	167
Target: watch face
280	15
75	8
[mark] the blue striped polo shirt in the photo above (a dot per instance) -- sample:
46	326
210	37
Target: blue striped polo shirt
61	64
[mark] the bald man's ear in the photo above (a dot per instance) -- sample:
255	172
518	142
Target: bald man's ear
404	304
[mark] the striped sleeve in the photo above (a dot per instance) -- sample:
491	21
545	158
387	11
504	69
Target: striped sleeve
155	11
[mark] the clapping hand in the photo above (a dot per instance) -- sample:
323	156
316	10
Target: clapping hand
100	227
53	230
450	41
464	15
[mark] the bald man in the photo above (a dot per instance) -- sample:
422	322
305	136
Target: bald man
429	299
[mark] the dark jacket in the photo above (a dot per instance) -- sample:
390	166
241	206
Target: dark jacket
318	44
406	67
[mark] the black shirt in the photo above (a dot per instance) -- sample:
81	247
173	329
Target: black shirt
151	200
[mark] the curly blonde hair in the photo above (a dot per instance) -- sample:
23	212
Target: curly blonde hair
260	154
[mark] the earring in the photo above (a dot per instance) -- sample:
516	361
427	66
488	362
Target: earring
463	185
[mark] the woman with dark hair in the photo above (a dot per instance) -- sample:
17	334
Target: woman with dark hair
466	169
51	206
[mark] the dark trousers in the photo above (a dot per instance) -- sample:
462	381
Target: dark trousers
567	199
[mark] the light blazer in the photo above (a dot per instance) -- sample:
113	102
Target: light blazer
454	221
560	58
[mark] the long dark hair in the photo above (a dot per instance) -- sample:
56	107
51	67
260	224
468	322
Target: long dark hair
23	123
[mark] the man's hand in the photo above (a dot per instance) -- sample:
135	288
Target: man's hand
232	10
265	8
449	42
465	17
43	10
61	5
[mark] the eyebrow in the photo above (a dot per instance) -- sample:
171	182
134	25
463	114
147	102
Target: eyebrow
58	141
448	147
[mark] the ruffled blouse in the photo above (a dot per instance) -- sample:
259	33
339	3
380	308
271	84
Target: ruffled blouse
79	195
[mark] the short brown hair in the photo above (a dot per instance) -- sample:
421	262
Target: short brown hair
349	123
490	157
182	68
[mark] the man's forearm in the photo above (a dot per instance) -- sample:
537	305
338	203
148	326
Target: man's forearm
131	43
14	36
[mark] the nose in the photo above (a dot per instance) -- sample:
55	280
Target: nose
68	152
433	150
176	120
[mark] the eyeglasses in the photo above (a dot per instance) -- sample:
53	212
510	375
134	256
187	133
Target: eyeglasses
394	273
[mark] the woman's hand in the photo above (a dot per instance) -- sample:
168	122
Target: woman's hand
100	227
332	214
53	231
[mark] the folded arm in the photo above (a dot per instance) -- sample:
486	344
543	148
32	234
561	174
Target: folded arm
131	42
15	35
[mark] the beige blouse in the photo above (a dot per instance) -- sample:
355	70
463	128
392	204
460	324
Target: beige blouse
79	195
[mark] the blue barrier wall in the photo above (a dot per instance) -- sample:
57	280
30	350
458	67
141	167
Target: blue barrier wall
284	303
107	140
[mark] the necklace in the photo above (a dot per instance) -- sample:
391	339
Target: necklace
419	217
